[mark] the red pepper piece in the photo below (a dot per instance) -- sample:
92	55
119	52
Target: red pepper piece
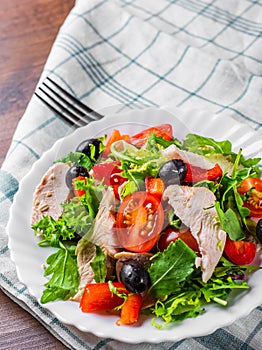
130	310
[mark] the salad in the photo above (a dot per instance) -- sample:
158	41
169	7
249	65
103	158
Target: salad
148	224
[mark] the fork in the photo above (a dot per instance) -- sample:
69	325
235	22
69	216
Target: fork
65	105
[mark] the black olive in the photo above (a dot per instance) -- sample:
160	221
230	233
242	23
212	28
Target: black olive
259	230
134	277
84	147
173	172
73	172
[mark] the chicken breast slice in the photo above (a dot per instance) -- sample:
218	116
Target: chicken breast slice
103	234
50	193
195	207
173	152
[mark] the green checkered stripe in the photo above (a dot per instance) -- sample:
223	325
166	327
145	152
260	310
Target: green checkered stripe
185	53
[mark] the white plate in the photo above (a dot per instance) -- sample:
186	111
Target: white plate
29	257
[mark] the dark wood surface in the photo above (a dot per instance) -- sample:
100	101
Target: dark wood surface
27	31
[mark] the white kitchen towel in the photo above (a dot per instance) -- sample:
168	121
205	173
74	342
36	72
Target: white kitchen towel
190	54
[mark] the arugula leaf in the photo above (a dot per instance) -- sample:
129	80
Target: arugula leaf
171	267
115	290
65	278
77	158
98	265
230	223
194	295
206	145
159	142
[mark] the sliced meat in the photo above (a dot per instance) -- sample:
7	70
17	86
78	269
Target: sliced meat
50	193
173	152
103	234
86	252
191	205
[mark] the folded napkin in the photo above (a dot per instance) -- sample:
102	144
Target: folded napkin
192	54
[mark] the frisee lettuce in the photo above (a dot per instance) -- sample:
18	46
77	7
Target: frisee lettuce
52	231
78	159
93	194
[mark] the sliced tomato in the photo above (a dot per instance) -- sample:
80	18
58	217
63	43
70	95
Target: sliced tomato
250	183
154	186
78	192
196	174
253	188
139	221
115	136
98	297
240	252
104	171
130	309
171	234
163	130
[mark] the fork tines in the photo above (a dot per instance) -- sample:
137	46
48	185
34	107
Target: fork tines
68	107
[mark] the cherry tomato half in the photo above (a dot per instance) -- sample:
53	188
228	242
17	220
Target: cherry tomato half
139	221
163	130
196	174
171	234
240	252
248	184
254	200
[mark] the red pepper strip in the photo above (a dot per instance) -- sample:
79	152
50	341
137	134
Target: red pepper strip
78	193
154	186
196	174
98	297
116	136
130	310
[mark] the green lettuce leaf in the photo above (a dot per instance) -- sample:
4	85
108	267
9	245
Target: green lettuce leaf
78	159
64	274
171	267
98	266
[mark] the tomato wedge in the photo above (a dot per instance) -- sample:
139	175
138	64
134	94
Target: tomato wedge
98	297
196	174
163	130
254	200
248	184
171	234
240	252
139	221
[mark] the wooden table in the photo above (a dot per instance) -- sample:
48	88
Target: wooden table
27	31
